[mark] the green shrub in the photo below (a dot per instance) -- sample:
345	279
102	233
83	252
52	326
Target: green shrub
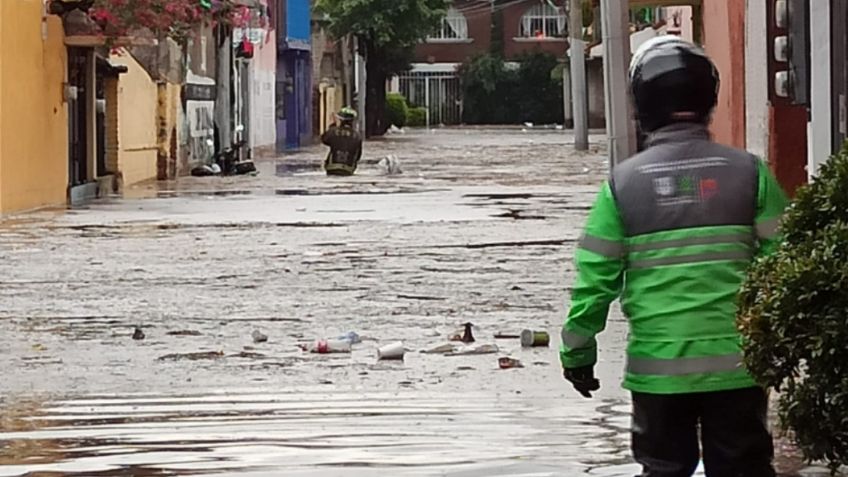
496	93
397	110
539	94
417	117
794	317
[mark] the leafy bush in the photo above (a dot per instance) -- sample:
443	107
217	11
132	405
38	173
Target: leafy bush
417	117
487	91
794	317
493	92
397	111
539	95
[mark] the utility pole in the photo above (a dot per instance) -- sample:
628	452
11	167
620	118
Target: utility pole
577	51
568	113
616	36
361	83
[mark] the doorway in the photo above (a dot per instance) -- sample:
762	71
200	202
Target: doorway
78	71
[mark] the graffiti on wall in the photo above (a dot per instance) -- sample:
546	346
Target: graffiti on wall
199	95
201	123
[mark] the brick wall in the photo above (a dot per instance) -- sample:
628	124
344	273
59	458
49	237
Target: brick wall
479	20
480	23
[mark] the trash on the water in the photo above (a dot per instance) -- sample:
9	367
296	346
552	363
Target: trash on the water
500	335
466	336
508	363
259	337
352	337
484	349
442	349
390	165
391	351
531	338
138	334
330	346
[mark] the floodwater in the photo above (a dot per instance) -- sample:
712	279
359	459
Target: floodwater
479	228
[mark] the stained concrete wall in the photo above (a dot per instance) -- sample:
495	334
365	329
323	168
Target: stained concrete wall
33	114
724	41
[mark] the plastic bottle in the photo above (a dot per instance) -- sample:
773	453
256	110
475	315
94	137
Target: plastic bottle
331	346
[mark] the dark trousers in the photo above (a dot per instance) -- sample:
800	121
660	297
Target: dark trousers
733	433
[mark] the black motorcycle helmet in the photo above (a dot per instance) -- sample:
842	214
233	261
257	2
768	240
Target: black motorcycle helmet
672	80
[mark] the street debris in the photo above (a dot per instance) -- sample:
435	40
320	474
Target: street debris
506	336
391	351
259	337
184	333
330	346
138	334
390	165
531	338
509	363
465	336
206	170
484	349
196	356
442	349
352	337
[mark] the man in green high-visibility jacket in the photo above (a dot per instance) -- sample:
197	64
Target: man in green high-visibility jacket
672	234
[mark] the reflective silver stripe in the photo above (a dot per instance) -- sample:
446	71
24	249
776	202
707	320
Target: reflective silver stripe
607	248
697	258
768	228
737	238
681	366
575	341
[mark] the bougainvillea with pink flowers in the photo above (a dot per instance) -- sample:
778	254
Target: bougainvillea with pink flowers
176	19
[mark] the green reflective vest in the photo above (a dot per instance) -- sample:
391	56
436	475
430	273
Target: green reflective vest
672	234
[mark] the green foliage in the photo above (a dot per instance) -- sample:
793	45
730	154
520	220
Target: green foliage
417	117
388	30
539	94
495	93
397	111
794	317
488	89
397	24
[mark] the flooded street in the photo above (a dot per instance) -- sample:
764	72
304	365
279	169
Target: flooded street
479	228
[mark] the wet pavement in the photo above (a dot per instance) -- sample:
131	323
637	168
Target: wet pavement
480	227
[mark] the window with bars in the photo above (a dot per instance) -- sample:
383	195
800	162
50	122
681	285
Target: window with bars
543	21
454	27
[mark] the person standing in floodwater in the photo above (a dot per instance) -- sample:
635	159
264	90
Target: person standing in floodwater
345	145
672	234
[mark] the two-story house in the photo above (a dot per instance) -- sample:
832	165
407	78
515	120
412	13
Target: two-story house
474	27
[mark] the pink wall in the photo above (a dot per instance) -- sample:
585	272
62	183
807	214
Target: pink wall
724	40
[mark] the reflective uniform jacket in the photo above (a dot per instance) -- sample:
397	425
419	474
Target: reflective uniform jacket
672	234
345	150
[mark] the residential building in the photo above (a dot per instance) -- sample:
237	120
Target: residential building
34	108
294	74
785	105
332	73
77	119
510	28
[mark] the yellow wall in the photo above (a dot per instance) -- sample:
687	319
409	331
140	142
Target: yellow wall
33	115
137	100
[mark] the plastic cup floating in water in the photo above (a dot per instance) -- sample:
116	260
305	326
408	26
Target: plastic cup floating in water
530	338
391	351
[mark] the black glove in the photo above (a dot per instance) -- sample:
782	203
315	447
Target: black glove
583	380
